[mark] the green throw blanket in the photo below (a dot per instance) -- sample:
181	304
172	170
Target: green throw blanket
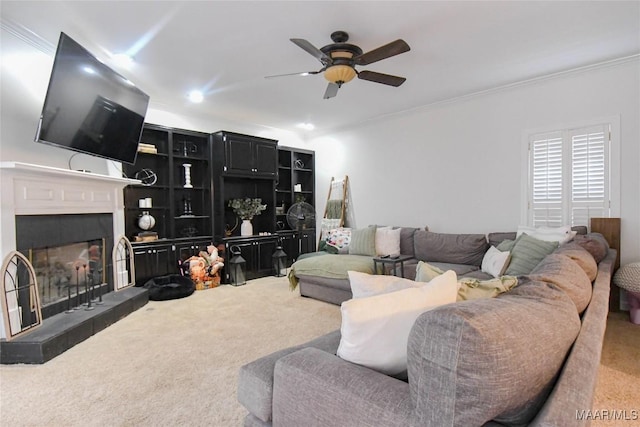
330	266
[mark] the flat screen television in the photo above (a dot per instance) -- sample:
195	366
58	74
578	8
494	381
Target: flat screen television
90	108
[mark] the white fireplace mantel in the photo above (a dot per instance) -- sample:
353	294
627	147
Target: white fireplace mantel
29	189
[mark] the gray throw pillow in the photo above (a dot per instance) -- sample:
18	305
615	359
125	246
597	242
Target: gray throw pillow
527	253
363	241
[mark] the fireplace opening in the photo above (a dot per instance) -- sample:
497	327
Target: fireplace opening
71	255
70	274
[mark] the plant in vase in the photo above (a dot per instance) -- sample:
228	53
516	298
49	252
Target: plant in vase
246	209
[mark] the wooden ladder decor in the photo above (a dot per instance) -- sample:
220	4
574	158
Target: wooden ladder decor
336	207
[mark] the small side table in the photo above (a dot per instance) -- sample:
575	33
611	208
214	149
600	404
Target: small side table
393	262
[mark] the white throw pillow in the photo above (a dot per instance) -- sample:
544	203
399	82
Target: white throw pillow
561	235
367	285
375	330
495	262
388	241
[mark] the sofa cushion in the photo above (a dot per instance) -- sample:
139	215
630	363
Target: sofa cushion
527	253
566	275
561	235
375	329
363	241
498	237
450	248
506	244
367	285
502	369
581	256
460	269
255	380
387	241
425	272
595	244
406	240
338	239
495	262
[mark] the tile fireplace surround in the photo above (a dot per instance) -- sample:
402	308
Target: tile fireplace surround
29	189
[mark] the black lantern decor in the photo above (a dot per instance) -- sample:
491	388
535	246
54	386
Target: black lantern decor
237	266
279	261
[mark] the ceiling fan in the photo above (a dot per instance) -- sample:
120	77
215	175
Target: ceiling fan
340	58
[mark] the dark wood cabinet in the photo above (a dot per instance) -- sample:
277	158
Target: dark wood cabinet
190	179
245	155
180	208
176	191
243	166
152	260
160	257
295	183
296	243
257	251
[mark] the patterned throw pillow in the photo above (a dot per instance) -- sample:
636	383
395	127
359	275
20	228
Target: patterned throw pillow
339	238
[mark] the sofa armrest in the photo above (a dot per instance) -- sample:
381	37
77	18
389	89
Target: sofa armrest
316	388
574	390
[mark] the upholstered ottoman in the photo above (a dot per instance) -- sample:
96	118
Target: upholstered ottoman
628	278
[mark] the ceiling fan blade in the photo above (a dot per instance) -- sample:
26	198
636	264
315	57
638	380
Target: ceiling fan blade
391	49
386	79
304	73
332	90
314	51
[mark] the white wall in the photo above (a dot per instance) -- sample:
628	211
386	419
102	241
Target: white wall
455	167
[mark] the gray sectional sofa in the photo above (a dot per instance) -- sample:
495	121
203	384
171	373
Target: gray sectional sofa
529	356
326	278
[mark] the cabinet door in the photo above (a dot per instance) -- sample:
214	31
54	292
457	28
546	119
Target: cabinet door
239	155
266	155
307	241
290	246
264	257
152	261
186	250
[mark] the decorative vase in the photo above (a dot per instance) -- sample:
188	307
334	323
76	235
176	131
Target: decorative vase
246	228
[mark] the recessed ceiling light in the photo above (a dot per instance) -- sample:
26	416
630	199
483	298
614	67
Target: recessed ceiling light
306	126
195	96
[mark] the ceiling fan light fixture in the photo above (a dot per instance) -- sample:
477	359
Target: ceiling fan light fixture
339	74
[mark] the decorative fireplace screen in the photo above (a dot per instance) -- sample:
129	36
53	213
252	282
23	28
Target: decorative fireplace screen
68	270
20	299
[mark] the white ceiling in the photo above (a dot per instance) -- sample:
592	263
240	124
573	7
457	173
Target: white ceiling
227	48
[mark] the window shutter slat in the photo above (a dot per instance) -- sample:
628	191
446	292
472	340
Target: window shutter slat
569	176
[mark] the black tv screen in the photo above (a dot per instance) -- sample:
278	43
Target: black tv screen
90	108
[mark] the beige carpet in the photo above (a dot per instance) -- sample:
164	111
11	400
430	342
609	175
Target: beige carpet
170	363
176	362
618	387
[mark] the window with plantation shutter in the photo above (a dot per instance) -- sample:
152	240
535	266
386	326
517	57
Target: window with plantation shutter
569	176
